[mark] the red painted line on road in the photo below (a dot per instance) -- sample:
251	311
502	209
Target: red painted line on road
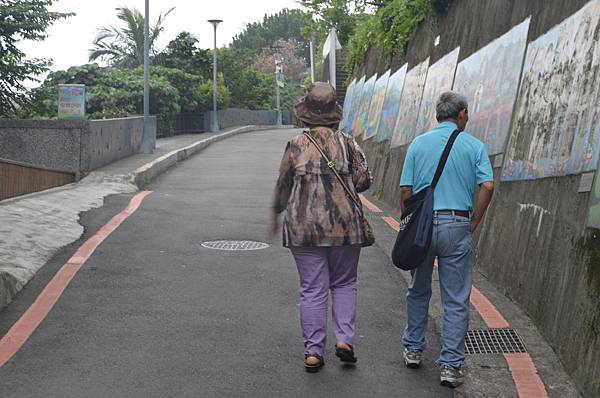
522	368
525	376
370	205
491	316
395	225
20	332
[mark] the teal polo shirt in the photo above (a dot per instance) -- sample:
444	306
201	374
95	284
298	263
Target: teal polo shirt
468	166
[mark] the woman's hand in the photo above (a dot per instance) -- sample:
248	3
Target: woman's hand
274	225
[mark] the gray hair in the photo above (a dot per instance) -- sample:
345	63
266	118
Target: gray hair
450	104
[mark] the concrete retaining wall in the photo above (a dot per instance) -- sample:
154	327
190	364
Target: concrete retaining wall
233	117
112	139
533	244
71	146
49	144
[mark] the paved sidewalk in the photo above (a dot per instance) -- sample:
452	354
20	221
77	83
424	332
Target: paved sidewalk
35	226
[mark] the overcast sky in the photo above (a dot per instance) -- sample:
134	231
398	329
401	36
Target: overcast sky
69	40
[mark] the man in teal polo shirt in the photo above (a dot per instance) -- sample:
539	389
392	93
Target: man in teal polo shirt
455	219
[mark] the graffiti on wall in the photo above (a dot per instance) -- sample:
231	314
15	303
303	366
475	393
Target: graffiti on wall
391	105
490	80
439	79
377	105
347	104
410	103
354	103
556	125
360	121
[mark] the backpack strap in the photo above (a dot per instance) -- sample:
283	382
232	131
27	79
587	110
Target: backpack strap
444	158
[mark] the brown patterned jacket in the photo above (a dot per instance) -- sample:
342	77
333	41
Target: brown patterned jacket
318	210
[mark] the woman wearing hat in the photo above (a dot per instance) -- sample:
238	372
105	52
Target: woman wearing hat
322	223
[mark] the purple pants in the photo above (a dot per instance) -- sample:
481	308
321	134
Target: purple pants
322	269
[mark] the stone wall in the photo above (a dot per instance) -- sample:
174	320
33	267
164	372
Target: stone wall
113	139
50	144
233	117
71	146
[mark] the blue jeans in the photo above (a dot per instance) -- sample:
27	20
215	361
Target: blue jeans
452	245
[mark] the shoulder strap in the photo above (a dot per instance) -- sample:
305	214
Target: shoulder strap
444	158
331	166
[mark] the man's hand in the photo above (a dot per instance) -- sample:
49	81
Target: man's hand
484	197
405	193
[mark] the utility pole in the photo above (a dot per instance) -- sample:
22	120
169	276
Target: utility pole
146	145
279	83
215	116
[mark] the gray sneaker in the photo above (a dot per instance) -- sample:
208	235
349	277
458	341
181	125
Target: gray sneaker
412	359
451	377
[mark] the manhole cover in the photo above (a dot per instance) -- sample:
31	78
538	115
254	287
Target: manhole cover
235	245
493	341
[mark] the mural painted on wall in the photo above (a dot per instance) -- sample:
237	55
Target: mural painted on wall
556	126
377	105
391	105
410	103
356	97
347	104
439	79
490	81
360	122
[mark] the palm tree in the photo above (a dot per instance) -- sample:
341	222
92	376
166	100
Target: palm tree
125	46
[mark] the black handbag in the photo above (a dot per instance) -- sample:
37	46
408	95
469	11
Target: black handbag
416	224
367	229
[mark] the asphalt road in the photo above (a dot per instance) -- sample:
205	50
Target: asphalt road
154	314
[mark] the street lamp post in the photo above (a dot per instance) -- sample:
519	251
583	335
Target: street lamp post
215	117
146	145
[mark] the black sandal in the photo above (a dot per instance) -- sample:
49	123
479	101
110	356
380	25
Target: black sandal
313	368
345	355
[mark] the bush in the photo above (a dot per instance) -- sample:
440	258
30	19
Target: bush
390	28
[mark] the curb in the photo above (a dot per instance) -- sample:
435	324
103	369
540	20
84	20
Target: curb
148	172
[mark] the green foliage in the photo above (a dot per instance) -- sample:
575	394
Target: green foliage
118	92
182	53
325	14
286	24
390	28
204	95
21	20
125	46
363	38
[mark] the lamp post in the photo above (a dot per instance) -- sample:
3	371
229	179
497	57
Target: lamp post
146	145
215	119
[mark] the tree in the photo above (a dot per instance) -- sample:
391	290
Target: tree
118	92
294	67
325	14
125	46
286	24
182	53
21	20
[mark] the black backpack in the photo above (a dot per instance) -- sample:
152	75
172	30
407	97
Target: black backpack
416	223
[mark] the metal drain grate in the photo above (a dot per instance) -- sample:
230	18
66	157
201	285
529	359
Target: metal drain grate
235	245
493	341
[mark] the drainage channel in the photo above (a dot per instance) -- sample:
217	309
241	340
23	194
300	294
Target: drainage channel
493	341
235	245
